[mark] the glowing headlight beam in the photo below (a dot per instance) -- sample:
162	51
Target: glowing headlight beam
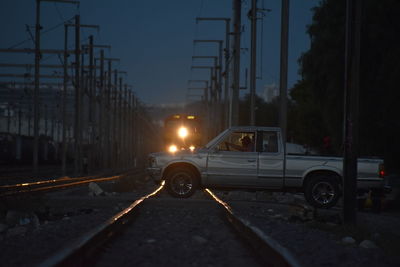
172	148
183	132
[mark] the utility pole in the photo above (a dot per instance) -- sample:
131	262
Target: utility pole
216	92
226	70
92	153
92	103
211	127
45	120
129	123
351	89
36	118
64	105
206	105
136	129
107	114
97	115
123	123
79	92
253	63
102	110
78	129
214	102
234	101
36	91
108	125
283	75
115	124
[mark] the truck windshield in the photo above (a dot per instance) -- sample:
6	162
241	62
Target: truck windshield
215	139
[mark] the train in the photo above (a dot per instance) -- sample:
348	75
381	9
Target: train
182	132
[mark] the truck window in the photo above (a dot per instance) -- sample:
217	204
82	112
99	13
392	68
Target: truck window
269	141
238	142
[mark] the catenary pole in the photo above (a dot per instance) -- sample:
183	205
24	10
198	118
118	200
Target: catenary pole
64	105
234	101
351	89
253	56
226	71
36	91
77	135
36	117
101	110
283	75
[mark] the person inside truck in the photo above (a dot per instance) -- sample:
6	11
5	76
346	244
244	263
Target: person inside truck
247	144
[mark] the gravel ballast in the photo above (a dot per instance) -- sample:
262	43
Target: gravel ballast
194	229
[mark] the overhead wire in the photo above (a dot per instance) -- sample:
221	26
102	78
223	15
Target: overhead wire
59	12
44	32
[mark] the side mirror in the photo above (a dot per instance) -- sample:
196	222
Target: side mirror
214	150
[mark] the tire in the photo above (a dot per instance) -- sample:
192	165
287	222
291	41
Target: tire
322	191
181	183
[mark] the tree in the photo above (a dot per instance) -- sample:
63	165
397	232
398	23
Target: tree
266	113
318	96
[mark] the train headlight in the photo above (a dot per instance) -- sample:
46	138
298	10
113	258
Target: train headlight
183	132
172	148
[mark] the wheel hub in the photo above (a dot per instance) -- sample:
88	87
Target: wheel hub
182	184
323	192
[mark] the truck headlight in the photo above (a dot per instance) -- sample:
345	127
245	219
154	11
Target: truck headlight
172	148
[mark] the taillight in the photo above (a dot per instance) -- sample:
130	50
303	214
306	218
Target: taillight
382	172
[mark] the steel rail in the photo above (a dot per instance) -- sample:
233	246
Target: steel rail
60	179
13	172
268	249
67	182
78	251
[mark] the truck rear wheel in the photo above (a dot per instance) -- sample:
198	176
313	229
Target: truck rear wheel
322	191
181	182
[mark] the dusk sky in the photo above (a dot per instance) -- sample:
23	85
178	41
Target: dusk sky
154	39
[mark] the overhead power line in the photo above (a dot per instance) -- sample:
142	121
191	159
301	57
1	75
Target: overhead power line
44	32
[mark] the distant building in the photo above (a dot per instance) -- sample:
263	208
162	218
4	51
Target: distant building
270	92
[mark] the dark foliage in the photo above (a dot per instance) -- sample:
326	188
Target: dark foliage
266	113
318	97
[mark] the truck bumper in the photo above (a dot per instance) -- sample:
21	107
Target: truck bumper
370	183
155	174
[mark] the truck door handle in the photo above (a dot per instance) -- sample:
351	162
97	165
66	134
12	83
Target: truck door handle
251	160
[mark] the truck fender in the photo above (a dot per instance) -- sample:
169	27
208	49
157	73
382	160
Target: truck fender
320	169
181	162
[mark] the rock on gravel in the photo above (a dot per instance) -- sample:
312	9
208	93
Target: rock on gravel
309	244
13	217
199	239
3	227
348	240
95	189
367	244
17	231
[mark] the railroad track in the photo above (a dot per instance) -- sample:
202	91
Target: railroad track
58	184
157	230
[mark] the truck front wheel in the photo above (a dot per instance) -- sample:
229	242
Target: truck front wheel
322	191
181	182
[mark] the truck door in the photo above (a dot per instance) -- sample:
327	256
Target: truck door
270	167
233	161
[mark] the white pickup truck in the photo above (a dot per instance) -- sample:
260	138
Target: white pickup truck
252	158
